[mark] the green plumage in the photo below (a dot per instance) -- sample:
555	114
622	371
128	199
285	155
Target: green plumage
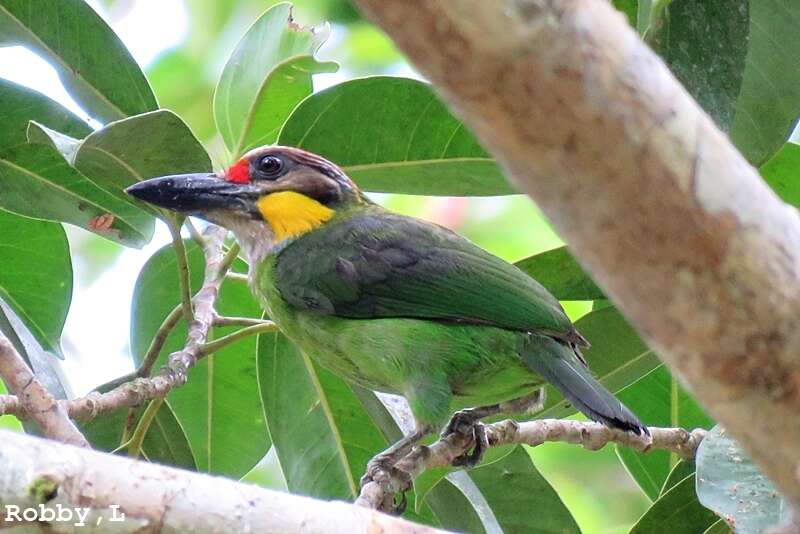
404	306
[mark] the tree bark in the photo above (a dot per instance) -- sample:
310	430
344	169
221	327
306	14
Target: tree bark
48	477
672	222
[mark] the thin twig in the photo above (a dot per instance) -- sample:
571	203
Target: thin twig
174	373
239	321
219	344
157	343
381	490
34	399
195	234
174	224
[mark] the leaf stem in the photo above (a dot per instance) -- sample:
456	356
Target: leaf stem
135	447
174	223
238	277
221	343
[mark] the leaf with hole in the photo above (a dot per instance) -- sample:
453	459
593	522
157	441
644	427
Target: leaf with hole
267	75
394	135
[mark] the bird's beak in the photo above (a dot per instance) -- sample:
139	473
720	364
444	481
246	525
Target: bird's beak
194	193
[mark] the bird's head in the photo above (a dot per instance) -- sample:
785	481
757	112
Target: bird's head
272	194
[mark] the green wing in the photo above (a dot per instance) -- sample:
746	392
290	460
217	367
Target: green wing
379	264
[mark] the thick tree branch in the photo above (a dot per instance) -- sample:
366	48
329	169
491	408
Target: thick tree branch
682	233
154	498
379	493
34	399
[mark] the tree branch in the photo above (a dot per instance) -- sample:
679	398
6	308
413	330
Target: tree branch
638	180
154	498
379	493
174	373
34	399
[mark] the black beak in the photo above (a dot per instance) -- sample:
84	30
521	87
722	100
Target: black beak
193	193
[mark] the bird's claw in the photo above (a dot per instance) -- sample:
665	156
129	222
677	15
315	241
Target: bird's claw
466	424
381	470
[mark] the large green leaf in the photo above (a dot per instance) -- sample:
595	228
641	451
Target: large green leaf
219	408
738	58
8	422
36	275
782	173
704	42
561	274
658	400
144	146
618	357
394	135
164	443
730	483
20	105
677	511
94	65
36	181
323	435
520	497
267	75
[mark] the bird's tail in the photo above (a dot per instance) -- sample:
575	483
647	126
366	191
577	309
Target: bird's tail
559	363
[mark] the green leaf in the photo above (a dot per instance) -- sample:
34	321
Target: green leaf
219	407
678	512
720	527
452	509
658	400
164	443
20	105
520	497
394	135
704	42
561	274
630	8
729	483
145	146
94	65
8	422
37	182
36	277
738	58
67	146
618	357
782	173
681	470
321	432
267	75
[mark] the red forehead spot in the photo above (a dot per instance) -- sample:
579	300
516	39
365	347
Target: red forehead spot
239	172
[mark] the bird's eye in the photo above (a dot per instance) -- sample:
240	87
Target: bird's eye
270	167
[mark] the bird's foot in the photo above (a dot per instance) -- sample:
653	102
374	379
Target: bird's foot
466	423
381	470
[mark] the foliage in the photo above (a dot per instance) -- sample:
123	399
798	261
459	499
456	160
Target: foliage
392	135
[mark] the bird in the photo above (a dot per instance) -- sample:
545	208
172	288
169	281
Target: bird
390	302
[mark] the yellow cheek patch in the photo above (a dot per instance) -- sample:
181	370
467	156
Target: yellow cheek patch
292	214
